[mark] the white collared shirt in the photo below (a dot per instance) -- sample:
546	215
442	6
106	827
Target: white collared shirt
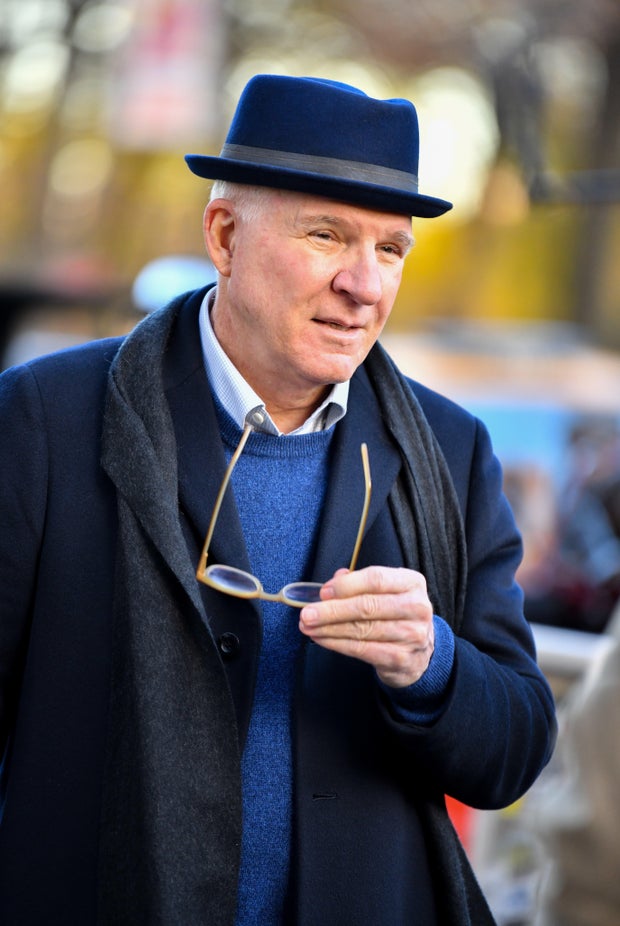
239	399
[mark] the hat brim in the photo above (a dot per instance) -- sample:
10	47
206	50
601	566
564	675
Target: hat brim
371	196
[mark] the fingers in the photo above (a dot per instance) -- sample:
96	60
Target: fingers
380	615
377	580
378	602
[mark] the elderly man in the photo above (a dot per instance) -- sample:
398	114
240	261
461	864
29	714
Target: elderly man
258	609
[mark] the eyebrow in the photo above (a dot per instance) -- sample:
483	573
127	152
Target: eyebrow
406	240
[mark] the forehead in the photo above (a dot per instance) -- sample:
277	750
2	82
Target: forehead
303	208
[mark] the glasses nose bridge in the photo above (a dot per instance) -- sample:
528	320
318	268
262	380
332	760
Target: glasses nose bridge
264	595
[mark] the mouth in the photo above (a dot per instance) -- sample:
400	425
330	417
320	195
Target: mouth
336	326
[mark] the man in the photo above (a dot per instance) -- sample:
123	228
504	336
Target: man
188	744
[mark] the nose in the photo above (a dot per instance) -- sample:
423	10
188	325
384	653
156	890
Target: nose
360	277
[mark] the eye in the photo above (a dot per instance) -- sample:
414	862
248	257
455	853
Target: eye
391	250
323	234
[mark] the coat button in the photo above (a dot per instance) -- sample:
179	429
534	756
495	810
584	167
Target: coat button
229	645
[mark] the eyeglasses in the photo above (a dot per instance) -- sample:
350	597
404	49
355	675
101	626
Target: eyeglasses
233	581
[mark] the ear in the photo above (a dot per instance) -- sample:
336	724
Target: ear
219	232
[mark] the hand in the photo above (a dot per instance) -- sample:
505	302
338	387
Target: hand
380	615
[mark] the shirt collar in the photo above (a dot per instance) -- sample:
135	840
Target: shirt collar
239	399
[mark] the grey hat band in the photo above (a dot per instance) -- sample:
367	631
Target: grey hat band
327	167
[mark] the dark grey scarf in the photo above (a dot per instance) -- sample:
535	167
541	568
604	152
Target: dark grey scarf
423	501
171	826
429	525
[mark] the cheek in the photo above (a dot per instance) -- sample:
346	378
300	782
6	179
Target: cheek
295	270
278	278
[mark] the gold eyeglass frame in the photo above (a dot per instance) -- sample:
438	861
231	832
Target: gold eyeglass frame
205	574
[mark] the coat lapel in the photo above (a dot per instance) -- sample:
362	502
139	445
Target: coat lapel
138	448
157	452
201	464
200	453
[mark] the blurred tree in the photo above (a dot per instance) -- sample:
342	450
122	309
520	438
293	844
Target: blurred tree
552	68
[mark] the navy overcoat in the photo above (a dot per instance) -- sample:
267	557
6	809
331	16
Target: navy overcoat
363	779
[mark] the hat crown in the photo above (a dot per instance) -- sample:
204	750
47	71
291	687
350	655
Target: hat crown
325	118
323	138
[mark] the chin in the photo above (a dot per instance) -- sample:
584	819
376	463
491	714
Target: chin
325	369
337	373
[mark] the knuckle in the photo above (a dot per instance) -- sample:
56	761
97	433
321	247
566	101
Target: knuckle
362	629
410	601
368	607
416	603
420	584
409	631
377	579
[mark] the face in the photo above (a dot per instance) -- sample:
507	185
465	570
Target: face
305	289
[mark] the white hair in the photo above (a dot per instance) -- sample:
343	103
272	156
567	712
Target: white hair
250	201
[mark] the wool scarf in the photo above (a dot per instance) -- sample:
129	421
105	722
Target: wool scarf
171	818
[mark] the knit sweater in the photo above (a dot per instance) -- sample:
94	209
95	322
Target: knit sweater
279	485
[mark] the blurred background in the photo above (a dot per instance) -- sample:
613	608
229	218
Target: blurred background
510	303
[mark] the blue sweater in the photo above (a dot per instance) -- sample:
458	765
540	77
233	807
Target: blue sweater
279	485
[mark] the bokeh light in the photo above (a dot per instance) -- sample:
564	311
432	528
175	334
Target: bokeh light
102	27
459	136
35	75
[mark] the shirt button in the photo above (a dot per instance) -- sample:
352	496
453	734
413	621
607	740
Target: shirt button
229	645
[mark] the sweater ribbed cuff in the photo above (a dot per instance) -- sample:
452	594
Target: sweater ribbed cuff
422	702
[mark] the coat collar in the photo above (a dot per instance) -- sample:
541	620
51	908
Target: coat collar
138	441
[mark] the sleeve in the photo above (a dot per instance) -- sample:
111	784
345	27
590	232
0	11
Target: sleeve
23	465
423	701
497	727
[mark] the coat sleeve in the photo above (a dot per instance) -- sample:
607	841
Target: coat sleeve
497	727
23	465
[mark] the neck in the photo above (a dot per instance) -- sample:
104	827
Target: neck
289	418
289	407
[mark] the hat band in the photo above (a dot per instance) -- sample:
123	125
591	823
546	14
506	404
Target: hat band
327	167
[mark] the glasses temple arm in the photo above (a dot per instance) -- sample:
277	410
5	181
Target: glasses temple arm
202	565
368	488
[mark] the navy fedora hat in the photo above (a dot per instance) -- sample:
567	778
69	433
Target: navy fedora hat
324	138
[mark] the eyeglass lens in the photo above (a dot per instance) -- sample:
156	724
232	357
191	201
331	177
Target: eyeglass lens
233	581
